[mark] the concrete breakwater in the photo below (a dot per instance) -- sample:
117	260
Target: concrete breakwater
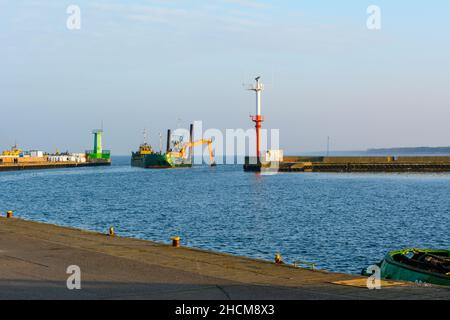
34	259
354	164
51	165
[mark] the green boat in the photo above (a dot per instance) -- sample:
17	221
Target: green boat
417	265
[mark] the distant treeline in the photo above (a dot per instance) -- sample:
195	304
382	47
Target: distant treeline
409	151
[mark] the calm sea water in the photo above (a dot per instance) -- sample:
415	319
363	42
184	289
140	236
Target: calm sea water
341	222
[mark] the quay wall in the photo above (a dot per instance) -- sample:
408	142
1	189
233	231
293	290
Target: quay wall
36	256
378	159
50	165
357	164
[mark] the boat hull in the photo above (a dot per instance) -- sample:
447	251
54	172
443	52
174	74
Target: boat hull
395	270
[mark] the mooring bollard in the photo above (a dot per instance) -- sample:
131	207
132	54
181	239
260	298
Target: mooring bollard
9	214
278	259
111	232
175	241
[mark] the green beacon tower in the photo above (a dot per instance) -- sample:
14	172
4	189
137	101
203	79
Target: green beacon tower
98	153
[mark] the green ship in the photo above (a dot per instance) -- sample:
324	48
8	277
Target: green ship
176	155
417	265
145	157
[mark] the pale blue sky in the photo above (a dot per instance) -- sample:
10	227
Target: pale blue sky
137	64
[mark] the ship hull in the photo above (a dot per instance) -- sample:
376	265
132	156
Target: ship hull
157	161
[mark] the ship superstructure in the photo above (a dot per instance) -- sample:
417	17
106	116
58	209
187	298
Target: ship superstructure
178	153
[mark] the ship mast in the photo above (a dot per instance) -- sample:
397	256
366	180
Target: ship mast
145	136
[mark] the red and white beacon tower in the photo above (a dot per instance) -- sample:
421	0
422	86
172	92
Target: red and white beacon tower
258	118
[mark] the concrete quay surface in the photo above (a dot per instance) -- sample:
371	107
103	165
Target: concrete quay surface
34	258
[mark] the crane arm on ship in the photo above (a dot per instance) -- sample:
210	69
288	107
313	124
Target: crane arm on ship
182	153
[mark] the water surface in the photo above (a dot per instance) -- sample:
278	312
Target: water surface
341	222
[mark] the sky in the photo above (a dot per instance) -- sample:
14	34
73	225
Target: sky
159	64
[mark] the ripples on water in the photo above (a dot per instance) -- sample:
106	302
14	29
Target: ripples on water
341	222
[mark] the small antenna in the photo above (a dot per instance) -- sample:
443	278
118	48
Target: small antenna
179	123
145	136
